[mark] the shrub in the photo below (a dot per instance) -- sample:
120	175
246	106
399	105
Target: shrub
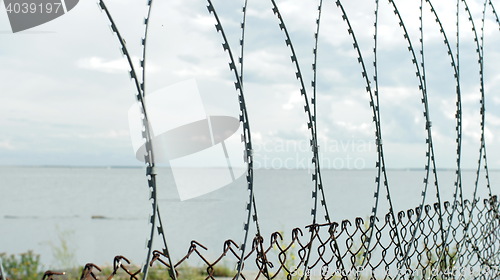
24	266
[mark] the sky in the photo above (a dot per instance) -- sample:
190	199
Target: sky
66	92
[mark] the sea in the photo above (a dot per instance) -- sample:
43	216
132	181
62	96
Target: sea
78	215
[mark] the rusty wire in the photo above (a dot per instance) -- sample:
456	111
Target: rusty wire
429	241
88	271
475	255
50	275
479	253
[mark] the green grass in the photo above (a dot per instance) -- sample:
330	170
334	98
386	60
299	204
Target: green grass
27	266
24	266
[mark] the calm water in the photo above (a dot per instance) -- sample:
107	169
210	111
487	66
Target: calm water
103	212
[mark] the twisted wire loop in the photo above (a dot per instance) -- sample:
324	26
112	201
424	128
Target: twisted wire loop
314	100
430	156
318	182
416	242
88	272
482	149
119	266
379	154
146	133
495	13
246	138
50	275
311	120
458	117
380	164
483	98
160	227
242	42
314	82
248	143
483	109
483	101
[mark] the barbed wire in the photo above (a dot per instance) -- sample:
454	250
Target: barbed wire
426	239
430	157
375	106
458	114
476	258
146	133
246	137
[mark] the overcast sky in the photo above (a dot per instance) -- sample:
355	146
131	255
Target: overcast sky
66	92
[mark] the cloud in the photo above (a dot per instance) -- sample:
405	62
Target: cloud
103	65
110	135
294	101
119	65
7	145
76	91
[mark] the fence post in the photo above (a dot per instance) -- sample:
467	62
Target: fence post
2	274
